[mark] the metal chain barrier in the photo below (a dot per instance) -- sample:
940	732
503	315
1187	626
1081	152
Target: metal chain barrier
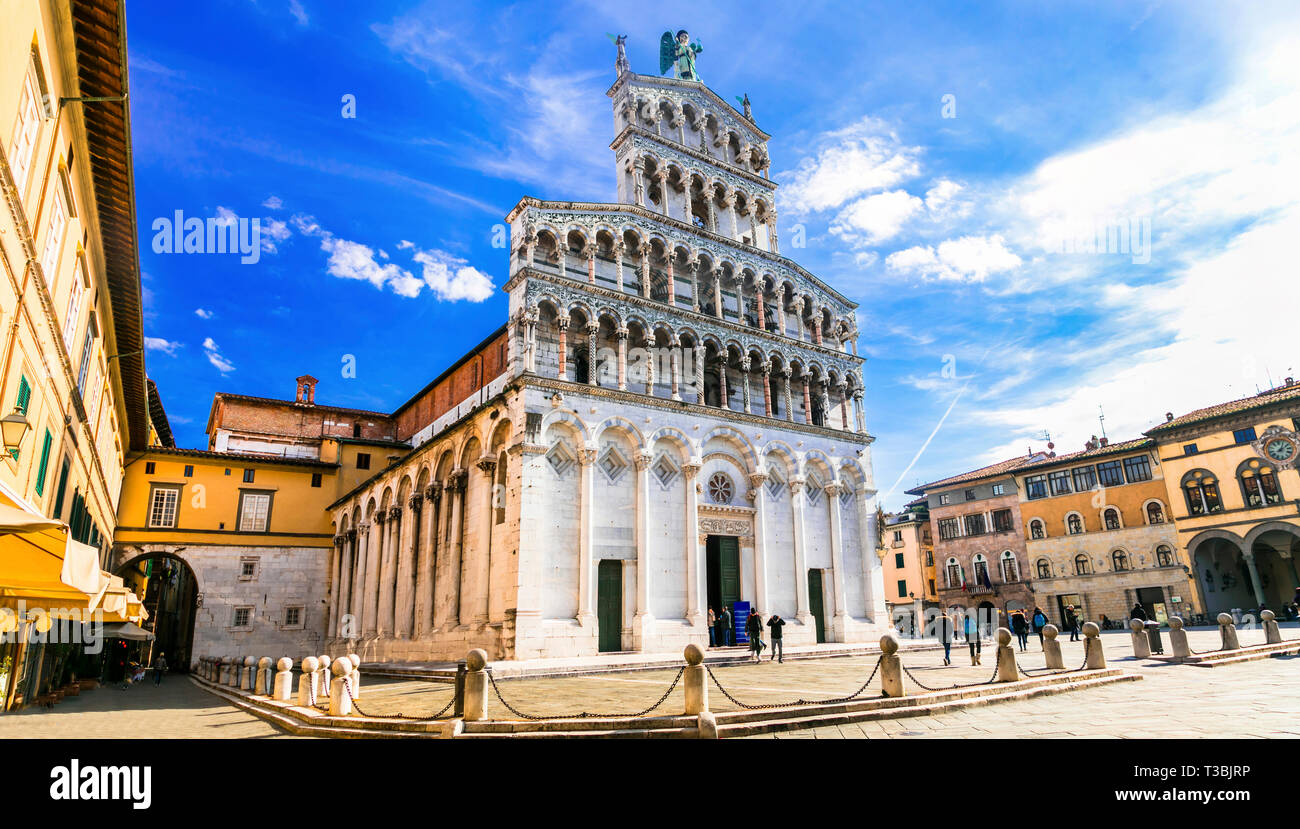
1031	673
925	687
347	686
584	714
767	706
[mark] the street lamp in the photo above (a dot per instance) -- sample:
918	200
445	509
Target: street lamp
13	427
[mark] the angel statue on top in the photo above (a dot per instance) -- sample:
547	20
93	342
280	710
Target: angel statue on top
679	53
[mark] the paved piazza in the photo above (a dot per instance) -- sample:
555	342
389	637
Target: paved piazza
1251	699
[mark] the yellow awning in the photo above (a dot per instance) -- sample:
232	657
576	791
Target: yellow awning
42	568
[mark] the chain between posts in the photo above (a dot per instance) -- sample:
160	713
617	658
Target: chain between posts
584	714
347	687
925	687
848	698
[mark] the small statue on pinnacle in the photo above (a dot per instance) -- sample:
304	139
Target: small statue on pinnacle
679	55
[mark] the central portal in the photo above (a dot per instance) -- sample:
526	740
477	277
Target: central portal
722	554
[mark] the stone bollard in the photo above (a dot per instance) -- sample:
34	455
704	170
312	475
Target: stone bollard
476	683
323	685
283	680
1141	646
1007	671
1228	633
694	683
1096	658
1272	633
307	682
355	676
891	667
1178	638
249	676
236	671
340	702
1052	648
262	685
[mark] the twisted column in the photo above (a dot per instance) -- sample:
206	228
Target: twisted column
767	388
563	324
621	333
744	368
592	328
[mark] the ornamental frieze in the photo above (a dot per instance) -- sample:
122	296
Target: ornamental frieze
636	95
666	152
726	526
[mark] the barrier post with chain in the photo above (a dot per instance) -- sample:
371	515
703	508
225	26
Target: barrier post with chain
1095	657
355	676
1141	645
891	667
476	680
695	689
340	700
1006	670
1272	633
283	680
1178	638
307	682
1228	633
1052	648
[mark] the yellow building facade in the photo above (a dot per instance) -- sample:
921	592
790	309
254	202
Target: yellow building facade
1232	482
908	567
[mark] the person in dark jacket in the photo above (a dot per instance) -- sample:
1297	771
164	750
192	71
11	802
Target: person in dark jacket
754	629
1020	628
1139	612
1072	622
1040	621
778	647
728	631
943	631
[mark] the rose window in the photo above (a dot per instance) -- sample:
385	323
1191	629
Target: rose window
720	488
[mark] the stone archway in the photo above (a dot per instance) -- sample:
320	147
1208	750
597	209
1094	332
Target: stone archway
169	588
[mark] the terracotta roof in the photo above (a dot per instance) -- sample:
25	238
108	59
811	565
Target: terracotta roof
158	416
238	457
1282	394
1087	454
990	471
279	402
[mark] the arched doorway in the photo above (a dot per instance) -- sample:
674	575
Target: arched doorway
987	616
170	591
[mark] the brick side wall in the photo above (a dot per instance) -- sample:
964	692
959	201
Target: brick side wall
475	373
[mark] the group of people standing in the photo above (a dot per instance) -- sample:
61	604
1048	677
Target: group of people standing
1020	622
722	632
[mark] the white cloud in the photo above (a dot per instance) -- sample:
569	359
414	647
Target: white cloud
968	259
451	278
299	13
876	218
273	203
271	232
203	313
167	347
214	357
852	161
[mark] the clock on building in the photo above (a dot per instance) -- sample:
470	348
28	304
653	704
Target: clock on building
1279	445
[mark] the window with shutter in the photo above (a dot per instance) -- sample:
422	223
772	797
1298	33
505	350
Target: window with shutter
45	460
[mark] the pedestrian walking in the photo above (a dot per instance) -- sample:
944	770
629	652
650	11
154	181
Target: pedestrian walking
1021	629
159	668
973	639
754	629
713	627
1138	612
1072	622
1040	622
725	621
943	630
778	645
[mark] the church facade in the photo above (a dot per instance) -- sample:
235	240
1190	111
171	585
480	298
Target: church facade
671	420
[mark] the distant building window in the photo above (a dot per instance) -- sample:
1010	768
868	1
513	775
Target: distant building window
1137	469
1044	569
945	498
248	475
243	617
1258	484
1119	559
975	524
898	536
1110	473
1164	557
902	588
315	479
1081	565
948	528
1155	513
970	495
148	467
363	460
1002	522
929	558
248	569
1189	449
1084	478
1007	564
1060	482
356	430
254	512
1244	435
162	506
292	617
1036	486
227	471
1201	489
1111	517
1074	524
189	471
899	561
999	489
1036	529
932	591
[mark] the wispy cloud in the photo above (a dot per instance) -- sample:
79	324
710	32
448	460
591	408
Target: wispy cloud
214	357
167	347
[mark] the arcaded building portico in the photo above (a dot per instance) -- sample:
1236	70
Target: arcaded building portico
671	420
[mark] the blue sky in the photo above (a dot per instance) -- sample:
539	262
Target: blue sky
944	161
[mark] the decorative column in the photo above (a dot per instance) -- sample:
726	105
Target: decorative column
817	327
713	212
789	409
587	512
729	202
592	328
696	577
345	588
359	581
374	553
335	597
650	367
857	407
1255	583
590	253
798	316
530	346
621	333
645	272
841	616
802	609
758	493
767	388
752	217
723	401
807	399
562	257
771	232
643	622
744	368
698	354
675	370
403	624
388	571
825	399
672	284
456	518
759	292
424	580
662	176
717	294
620	250
693	268
638	181
686	201
563	324
873	573
483	564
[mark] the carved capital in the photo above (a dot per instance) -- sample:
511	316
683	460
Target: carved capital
642	460
621	333
363	528
757	479
486	464
797	485
415	502
395	513
691	468
562	323
433	492
586	457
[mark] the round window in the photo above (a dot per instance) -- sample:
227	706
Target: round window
720	488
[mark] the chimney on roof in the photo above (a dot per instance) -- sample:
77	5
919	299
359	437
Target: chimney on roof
306	391
1290	381
1105	441
1169	416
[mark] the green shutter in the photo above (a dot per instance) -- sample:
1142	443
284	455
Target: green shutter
45	460
24	395
63	488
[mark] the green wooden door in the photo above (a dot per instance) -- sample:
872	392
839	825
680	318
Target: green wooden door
815	603
729	569
609	605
